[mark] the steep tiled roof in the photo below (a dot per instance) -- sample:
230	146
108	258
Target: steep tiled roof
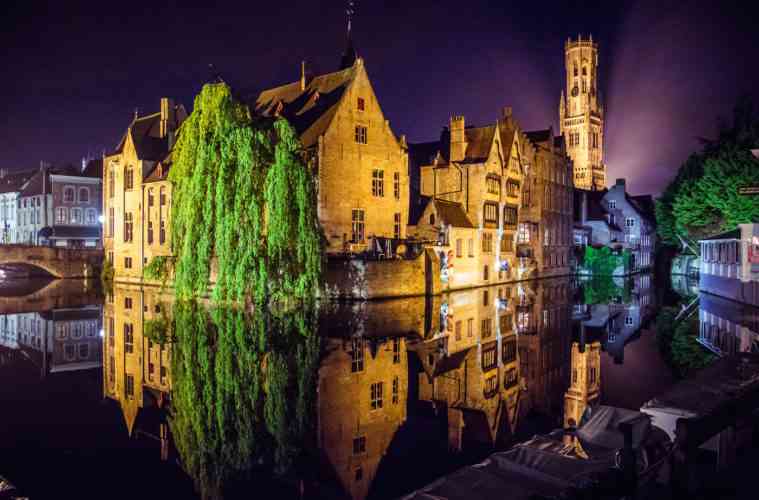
309	110
146	135
478	143
645	205
14	182
452	213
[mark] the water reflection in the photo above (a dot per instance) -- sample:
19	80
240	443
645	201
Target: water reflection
237	396
54	327
345	403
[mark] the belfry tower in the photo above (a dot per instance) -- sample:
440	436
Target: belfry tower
581	114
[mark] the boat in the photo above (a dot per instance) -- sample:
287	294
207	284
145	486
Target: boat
565	463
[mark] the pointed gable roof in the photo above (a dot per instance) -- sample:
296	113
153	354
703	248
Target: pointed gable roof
145	132
310	110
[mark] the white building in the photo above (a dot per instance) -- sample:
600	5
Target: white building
10	187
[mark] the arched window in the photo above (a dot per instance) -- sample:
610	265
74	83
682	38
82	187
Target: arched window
68	194
584	71
575	70
432	219
128	177
84	195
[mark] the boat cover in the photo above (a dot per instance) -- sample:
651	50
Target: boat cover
725	380
602	432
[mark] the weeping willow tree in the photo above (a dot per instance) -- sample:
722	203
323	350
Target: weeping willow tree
243	393
242	196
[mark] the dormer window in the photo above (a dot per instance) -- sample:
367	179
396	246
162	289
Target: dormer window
360	104
432	219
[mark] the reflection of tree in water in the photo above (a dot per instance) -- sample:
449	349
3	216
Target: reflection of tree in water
605	290
243	392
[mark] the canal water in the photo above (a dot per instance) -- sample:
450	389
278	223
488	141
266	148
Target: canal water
131	395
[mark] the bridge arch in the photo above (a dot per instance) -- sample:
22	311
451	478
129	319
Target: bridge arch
59	262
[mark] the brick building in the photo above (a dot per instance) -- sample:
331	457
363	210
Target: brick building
467	193
362	165
137	194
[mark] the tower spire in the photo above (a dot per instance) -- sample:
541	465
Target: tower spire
349	56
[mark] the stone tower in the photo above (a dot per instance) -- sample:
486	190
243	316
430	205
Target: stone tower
585	384
581	114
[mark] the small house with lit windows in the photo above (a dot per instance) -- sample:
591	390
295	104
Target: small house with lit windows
615	219
60	207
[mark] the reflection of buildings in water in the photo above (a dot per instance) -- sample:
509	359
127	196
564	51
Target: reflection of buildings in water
727	327
59	339
619	321
471	367
545	334
135	369
363	388
585	381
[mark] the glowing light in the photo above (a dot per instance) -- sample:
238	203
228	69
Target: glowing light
102	333
101	218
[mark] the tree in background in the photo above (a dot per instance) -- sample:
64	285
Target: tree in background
703	199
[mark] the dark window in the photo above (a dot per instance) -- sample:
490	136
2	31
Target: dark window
397	185
396	350
127	262
489	357
128	227
397	226
162	232
128	178
361	134
378	183
396	390
360	104
359	445
162	195
491	213
151	200
128	338
510	216
487	328
376	395
357	356
509	350
127	302
357	218
150	231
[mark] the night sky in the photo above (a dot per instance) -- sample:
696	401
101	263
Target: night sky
73	72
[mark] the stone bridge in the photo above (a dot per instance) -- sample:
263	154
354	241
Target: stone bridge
59	262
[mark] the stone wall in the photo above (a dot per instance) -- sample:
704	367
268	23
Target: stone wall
369	279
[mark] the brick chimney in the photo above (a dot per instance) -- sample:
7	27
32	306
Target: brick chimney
458	140
167	116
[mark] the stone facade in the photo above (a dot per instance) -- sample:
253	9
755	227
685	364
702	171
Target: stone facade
471	366
362	399
362	165
478	171
138	165
581	114
585	383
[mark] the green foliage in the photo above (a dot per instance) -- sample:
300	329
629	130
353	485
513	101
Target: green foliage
242	195
702	199
678	345
106	276
605	290
243	392
158	329
159	268
603	261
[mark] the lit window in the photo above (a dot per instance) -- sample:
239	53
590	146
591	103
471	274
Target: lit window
396	350
111	182
509	216
470	327
493	184
459	247
397	185
487	328
491	213
397	226
523	233
487	242
61	215
470	247
489	358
